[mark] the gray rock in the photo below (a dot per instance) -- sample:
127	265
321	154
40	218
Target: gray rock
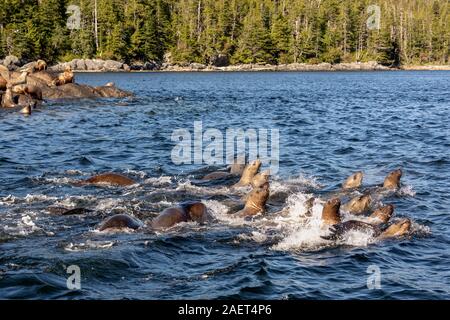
219	60
111	65
11	62
197	66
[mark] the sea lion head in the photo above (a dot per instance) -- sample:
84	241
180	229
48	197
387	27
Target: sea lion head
330	211
383	214
41	65
120	221
358	204
249	172
354	181
196	211
397	229
260	179
392	181
258	197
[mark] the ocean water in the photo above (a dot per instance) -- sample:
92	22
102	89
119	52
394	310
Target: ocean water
330	125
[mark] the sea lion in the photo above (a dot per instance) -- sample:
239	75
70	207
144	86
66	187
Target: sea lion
358	204
120	222
382	214
25	101
3	83
66	77
330	212
331	217
108	178
256	201
184	212
260	179
397	229
354	181
236	169
40	65
249	172
8	99
28	89
392	181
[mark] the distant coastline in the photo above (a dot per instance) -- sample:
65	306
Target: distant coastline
97	65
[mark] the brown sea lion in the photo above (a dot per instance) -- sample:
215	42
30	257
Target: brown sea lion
354	181
28	89
249	172
187	211
25	100
330	212
392	181
107	178
3	83
382	215
398	229
256	201
40	65
8	99
120	222
260	179
331	217
236	169
66	77
358	204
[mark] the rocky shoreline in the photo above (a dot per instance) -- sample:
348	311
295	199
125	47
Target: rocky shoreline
99	65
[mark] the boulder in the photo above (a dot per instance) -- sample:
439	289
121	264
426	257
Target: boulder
197	66
219	60
11	62
111	65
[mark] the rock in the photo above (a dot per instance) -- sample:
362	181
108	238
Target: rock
111	65
219	60
111	91
79	64
197	66
11	62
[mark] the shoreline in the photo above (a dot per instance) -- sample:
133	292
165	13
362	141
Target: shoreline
278	68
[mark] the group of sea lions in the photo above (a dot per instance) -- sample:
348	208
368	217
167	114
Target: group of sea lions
378	222
28	87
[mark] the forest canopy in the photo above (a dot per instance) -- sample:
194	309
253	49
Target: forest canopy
240	31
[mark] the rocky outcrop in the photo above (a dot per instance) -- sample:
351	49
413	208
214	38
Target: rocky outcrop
25	90
11	63
92	65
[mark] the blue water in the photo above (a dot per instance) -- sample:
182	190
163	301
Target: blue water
330	124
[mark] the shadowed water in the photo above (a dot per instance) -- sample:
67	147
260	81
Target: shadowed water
331	124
